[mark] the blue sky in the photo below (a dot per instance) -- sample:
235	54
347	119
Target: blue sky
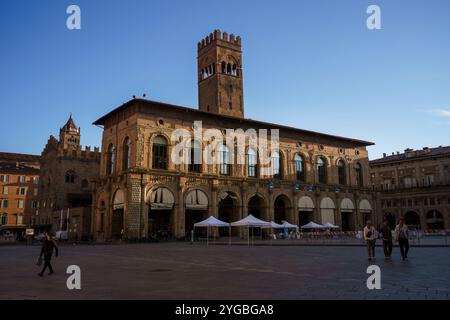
311	64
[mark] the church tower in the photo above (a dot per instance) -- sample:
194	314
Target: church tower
220	85
69	135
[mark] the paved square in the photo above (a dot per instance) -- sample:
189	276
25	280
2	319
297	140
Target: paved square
184	271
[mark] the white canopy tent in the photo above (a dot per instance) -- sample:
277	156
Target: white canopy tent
211	222
312	225
273	225
330	226
251	222
288	225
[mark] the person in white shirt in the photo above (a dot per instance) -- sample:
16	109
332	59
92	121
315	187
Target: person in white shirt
369	236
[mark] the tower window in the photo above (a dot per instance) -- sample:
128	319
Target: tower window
234	70
230	105
70	176
229	68
224	67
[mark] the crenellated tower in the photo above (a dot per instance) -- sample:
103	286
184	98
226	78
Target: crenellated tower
220	85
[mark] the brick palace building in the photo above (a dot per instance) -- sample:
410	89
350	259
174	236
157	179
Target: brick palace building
141	192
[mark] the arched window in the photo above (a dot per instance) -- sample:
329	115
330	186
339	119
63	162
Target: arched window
234	70
159	153
341	172
276	165
321	170
229	68
252	163
195	156
224	160
126	155
224	67
299	167
70	176
110	159
359	175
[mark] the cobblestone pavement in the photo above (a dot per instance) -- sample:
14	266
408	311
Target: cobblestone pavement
183	271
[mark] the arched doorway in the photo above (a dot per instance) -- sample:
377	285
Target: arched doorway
256	208
196	210
282	207
305	208
347	215
390	218
228	212
365	208
412	219
117	215
327	208
161	202
435	220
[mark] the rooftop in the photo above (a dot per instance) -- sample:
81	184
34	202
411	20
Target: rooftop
7	167
150	104
411	154
6	156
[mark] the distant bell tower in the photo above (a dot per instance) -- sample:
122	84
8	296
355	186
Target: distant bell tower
69	135
220	86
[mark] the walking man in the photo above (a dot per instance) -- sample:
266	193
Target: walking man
402	236
369	236
48	244
386	232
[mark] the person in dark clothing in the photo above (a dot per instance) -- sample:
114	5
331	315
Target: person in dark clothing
386	232
402	236
48	244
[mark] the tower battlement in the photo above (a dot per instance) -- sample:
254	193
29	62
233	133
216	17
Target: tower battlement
222	38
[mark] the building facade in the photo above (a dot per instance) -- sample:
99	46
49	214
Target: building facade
67	180
414	185
19	177
142	192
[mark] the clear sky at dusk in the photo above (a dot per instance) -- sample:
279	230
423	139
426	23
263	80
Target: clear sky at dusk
309	64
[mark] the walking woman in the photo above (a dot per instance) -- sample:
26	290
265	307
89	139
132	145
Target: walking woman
48	244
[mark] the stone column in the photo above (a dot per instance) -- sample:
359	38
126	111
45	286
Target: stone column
295	219
132	208
270	213
337	213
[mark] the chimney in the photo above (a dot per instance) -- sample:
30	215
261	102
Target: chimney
384	155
